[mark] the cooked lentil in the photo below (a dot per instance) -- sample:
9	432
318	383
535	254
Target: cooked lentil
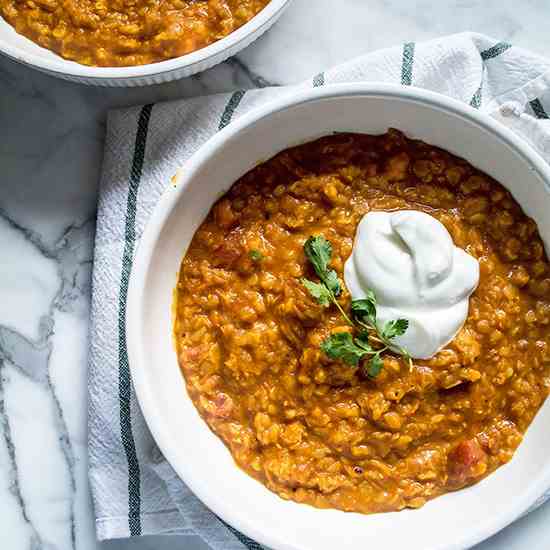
314	430
115	33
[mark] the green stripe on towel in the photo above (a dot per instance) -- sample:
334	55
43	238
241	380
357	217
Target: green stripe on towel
495	50
476	99
407	64
319	80
124	381
489	53
538	109
230	108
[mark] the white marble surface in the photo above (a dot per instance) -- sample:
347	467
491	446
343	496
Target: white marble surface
50	154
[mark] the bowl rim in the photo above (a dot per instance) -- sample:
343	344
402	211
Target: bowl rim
70	68
169	200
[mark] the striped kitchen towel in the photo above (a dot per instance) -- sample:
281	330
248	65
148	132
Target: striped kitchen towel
135	491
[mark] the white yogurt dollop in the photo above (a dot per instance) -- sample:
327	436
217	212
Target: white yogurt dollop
417	273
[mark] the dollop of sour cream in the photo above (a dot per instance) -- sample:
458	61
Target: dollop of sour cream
417	273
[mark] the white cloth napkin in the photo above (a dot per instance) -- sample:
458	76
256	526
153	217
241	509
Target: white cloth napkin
135	491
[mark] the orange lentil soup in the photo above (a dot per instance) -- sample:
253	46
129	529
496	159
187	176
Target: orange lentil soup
116	33
316	430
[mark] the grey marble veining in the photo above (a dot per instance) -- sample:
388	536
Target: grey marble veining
50	156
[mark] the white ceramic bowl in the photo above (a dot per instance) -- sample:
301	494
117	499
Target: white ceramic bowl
454	521
25	51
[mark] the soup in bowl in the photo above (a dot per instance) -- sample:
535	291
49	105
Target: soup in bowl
306	381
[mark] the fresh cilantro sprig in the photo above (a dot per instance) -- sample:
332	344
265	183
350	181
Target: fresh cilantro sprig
319	252
372	340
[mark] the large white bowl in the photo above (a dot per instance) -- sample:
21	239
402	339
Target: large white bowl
25	51
454	521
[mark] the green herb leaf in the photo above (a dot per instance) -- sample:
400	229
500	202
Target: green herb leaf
319	252
256	255
365	309
394	328
333	283
341	346
371	297
363	342
319	291
374	366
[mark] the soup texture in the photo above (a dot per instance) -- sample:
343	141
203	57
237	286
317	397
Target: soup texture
115	33
316	430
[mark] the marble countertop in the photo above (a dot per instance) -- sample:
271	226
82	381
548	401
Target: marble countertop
50	154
